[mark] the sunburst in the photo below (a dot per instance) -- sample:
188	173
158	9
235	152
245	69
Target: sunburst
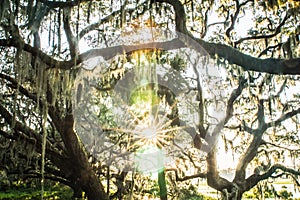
153	128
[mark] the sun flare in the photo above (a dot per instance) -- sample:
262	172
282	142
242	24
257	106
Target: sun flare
149	125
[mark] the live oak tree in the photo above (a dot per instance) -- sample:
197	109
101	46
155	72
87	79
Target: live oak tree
42	50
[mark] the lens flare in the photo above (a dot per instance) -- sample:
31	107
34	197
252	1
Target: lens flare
149	133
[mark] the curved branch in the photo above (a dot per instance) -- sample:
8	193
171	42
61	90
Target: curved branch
255	178
101	21
277	31
95	25
185	178
180	16
283	118
62	4
49	177
214	180
250	63
31	136
234	17
264	52
234	95
250	153
296	150
247	62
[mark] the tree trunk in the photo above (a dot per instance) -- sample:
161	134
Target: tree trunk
234	194
81	171
92	186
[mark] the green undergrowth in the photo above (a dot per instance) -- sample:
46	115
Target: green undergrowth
22	192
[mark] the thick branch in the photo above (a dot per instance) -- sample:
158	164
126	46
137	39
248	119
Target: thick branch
14	42
52	111
62	4
180	16
83	169
249	154
247	62
72	41
250	63
18	126
31	136
214	180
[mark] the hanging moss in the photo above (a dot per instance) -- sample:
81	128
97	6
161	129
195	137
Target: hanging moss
4	6
89	11
49	31
59	31
44	143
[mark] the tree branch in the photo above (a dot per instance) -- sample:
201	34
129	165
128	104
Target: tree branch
185	178
247	62
277	31
250	63
72	41
180	16
101	21
238	7
296	150
213	178
62	4
48	60
283	118
48	177
31	136
234	95
255	178
264	52
249	154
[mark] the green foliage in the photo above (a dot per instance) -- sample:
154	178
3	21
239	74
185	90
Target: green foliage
144	96
192	194
178	63
255	194
26	192
153	190
105	115
285	194
268	193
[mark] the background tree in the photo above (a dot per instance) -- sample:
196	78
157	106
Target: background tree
43	44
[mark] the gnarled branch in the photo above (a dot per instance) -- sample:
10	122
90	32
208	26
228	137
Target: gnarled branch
255	178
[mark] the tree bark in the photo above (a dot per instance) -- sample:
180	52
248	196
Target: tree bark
233	195
82	172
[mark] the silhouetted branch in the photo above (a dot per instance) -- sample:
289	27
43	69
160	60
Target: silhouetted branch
177	178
